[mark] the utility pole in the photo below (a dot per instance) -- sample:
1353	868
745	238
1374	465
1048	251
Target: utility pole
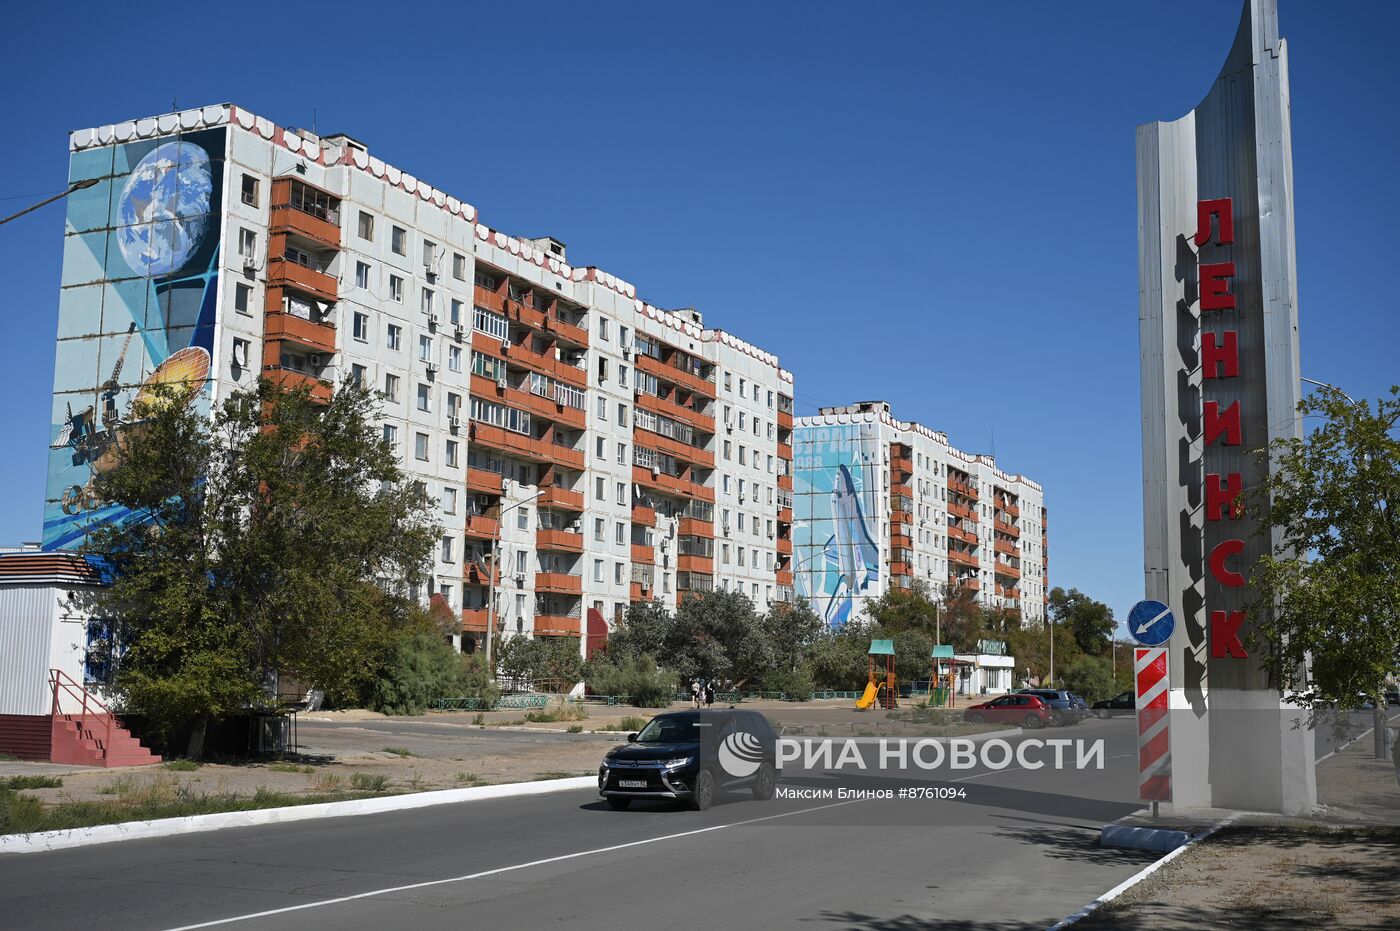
75	186
495	571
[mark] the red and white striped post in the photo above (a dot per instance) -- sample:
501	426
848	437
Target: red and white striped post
1154	737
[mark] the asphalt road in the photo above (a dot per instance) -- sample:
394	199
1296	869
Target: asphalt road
1018	851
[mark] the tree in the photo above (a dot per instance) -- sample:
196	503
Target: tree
790	630
275	536
1089	677
1091	622
1333	495
540	661
912	608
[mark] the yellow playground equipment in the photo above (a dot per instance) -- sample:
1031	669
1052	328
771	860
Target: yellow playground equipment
880	690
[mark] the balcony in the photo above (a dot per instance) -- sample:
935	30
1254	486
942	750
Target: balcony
900	465
1006	528
641	514
1011	510
901	568
482	527
676	376
318	337
569	332
900	488
524	447
636	593
553	496
1011	572
958	533
784	546
695	527
1005	546
559	582
688	563
671	484
784	577
483	482
288	219
559	541
785	451
785	515
642	552
284	272
785	482
963	511
963	558
963	488
686	415
967	583
556	625
478	573
672	447
901	517
784	420
474	620
291	379
901	541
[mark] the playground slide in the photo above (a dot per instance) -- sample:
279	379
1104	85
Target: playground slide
868	699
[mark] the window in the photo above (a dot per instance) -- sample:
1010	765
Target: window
602	409
449	501
425	302
455	317
420	446
396	289
397	240
450	454
366	227
617	573
620	533
241	294
424	397
728	450
597	570
621	453
600	492
770	400
490	324
454	358
598	525
357	375
622	375
727	384
454	403
507	418
484	280
247	244
621	493
391	389
622	413
603	328
602	371
601	451
622	336
250	190
425	347
362	275
522	521
429	256
459	266
391	435
394	339
361	326
446	549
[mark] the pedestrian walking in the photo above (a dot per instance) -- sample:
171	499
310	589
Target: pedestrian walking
709	694
695	692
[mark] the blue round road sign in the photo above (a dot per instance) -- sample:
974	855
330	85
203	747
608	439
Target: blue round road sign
1151	623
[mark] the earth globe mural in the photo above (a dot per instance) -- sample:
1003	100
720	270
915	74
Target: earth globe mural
163	213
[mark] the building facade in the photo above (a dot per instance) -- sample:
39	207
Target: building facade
881	502
586	448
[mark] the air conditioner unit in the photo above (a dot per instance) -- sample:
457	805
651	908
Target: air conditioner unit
500	383
432	368
314	360
432	320
665	544
646	587
505	344
576	527
458	332
724	528
454	423
655	471
520	578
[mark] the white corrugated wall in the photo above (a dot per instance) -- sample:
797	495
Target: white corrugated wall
26	637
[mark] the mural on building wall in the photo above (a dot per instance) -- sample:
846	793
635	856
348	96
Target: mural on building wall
836	487
136	309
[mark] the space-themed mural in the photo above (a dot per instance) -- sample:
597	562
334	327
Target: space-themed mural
140	282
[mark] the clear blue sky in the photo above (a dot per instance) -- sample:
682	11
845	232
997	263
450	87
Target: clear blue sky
931	203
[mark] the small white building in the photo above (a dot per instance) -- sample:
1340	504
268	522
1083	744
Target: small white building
986	672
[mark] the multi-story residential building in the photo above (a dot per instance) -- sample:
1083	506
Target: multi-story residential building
881	502
586	448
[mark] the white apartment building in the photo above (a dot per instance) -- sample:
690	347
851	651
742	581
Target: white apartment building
586	448
881	502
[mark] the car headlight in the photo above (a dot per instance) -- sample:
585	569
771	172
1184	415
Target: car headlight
605	764
679	762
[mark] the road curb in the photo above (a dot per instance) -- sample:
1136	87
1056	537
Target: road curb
166	827
1137	877
1159	839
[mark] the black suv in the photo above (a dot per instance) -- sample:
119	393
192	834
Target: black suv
692	756
1122	703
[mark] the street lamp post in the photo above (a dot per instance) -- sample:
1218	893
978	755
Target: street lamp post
495	570
75	186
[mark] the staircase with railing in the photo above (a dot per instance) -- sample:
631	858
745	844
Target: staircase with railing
86	732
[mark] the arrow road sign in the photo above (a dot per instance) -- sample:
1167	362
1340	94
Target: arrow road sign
1151	623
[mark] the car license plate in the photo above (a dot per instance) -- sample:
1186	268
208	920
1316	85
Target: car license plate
632	783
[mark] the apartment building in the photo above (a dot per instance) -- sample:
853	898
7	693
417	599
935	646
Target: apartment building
880	502
586	448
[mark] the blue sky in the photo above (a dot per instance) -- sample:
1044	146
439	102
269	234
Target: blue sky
929	203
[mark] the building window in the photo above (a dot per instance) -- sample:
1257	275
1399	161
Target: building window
450	454
455	317
446	549
250	190
357	375
459	266
617	573
425	348
449	501
454	404
247	244
622	453
396	289
620	533
397	240
622	375
602	409
603	328
597	570
420	446
391	435
621	493
622	414
454	358
362	275
601	448
602	370
522	521
391	389
424	397
425	303
240	298
361	326
366	227
600	486
395	337
429	256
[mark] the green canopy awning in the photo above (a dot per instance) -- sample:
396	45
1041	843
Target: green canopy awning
882	648
942	651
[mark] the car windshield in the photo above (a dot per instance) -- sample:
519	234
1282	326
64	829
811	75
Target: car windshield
679	728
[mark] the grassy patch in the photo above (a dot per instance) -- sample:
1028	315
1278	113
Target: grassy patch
628	724
575	728
8	758
290	768
399	751
31	782
469	779
369	782
479	719
180	766
565	711
560	774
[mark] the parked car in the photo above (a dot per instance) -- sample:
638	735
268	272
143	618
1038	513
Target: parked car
1082	705
1063	708
1020	709
677	757
1392	697
1122	703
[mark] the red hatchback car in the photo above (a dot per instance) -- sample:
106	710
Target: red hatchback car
1024	710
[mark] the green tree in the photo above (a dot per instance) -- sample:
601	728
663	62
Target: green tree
1091	622
1333	495
259	542
1089	677
912	608
421	668
790	631
837	659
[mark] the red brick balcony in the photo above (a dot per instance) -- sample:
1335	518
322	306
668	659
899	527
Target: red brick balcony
552	496
695	527
319	388
319	337
641	514
474	620
482	527
284	272
676	376
487	483
559	541
556	625
642	552
288	219
559	582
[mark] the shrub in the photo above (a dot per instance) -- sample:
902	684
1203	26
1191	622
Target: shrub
31	782
795	684
639	678
423	668
1090	678
369	782
181	766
